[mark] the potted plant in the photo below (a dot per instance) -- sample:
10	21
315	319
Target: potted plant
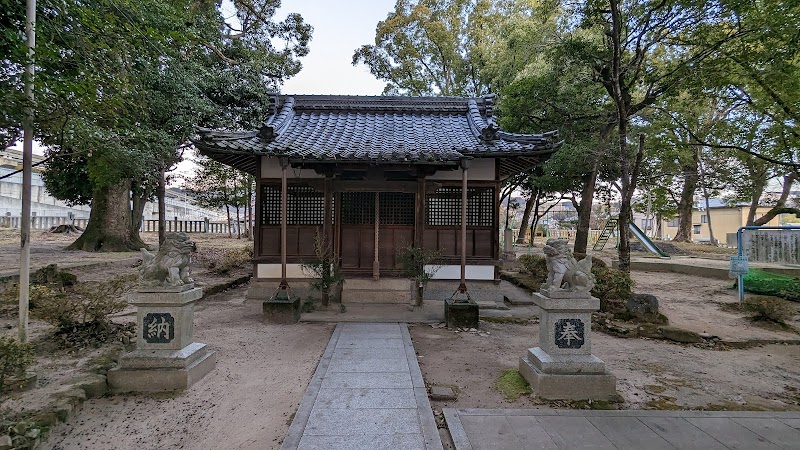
323	268
417	263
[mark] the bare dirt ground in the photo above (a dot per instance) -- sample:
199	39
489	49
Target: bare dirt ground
650	374
248	401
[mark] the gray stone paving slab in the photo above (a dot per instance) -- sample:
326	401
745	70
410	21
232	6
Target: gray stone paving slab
681	434
629	433
367	398
772	430
370	365
367	393
365	442
794	423
531	433
396	380
347	422
730	434
372	353
490	432
574	433
546	428
357	342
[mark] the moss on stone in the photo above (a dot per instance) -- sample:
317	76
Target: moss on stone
512	385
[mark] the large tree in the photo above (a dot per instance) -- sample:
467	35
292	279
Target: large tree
122	83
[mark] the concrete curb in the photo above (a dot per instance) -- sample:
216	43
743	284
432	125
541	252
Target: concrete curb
429	429
295	433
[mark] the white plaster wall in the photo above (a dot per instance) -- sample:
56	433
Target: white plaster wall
271	168
481	169
453	272
274	271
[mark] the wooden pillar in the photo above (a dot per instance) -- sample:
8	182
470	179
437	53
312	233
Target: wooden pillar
419	222
337	226
257	220
284	167
326	216
376	264
462	288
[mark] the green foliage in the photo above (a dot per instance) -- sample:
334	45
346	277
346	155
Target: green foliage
87	305
535	266
769	308
322	268
611	284
429	47
512	385
418	263
15	358
768	283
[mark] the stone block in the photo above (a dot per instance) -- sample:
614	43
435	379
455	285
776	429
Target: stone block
565	333
442	393
565	364
94	385
277	310
642	304
568	386
161	379
679	335
568	302
461	314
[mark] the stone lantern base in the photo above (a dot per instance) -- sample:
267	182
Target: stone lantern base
166	357
562	366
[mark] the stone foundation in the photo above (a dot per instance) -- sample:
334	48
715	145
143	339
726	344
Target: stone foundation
166	358
282	311
574	386
461	315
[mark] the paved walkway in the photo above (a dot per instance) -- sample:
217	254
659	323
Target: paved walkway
367	393
507	429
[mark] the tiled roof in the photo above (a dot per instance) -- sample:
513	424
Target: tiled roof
416	130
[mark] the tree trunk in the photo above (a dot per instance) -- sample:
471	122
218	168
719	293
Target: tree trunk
526	217
137	214
238	221
585	212
109	227
780	207
161	193
686	202
704	184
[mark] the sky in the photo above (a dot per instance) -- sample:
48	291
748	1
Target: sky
340	27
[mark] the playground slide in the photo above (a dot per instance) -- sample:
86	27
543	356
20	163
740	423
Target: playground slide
648	244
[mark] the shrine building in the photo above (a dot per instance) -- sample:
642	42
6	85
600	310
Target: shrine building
373	175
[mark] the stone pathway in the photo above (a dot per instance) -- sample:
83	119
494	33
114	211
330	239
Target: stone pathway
507	429
367	393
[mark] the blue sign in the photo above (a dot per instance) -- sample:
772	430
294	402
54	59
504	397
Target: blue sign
740	265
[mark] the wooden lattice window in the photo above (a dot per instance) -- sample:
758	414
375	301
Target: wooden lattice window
397	208
358	208
444	207
304	205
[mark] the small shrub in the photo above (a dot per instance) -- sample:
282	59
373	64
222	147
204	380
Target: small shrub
37	294
612	284
417	263
221	261
84	313
322	268
769	308
534	265
15	358
767	283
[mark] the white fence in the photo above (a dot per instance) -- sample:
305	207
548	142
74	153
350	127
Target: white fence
188	226
778	246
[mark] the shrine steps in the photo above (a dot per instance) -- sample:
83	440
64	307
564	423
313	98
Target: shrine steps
384	290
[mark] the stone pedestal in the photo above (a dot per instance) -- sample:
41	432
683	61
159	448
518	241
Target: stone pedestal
166	357
463	314
562	366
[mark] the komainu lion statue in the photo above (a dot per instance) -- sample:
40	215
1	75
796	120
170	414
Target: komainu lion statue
564	272
170	266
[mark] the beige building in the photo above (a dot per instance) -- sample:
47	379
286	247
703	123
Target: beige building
724	220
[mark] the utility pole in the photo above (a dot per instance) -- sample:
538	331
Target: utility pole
27	162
